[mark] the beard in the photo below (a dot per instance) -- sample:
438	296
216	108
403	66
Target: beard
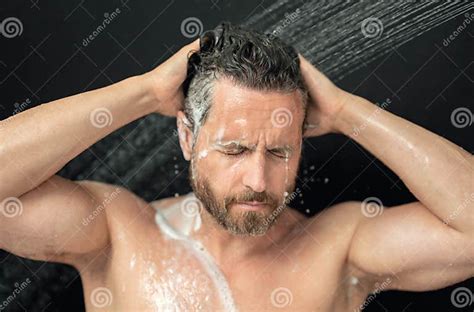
246	223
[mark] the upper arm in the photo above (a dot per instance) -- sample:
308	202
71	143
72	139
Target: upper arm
411	248
58	220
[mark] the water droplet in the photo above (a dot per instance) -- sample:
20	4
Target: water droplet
354	280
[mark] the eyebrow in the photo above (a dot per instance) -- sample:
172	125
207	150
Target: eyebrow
229	144
235	144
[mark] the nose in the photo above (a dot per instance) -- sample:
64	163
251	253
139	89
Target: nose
254	176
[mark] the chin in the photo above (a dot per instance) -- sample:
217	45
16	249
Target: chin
252	232
249	223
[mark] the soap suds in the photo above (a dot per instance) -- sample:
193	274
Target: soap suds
203	154
195	250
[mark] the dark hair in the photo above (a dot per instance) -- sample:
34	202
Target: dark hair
249	58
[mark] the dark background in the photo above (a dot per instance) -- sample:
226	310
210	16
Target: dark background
424	80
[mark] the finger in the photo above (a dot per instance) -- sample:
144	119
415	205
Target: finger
194	45
312	76
186	50
177	63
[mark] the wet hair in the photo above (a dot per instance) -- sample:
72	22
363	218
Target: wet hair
249	58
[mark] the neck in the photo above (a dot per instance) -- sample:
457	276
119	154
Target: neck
230	248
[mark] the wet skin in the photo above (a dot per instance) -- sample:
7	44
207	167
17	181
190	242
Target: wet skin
326	263
288	273
245	150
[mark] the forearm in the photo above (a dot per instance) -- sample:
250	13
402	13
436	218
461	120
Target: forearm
439	173
38	142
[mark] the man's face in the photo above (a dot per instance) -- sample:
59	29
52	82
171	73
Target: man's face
248	150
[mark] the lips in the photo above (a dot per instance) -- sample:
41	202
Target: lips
254	205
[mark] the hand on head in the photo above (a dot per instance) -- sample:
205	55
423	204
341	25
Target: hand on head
166	80
326	100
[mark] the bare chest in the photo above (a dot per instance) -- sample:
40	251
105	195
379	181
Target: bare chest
180	278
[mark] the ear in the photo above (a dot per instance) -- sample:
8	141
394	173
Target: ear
185	134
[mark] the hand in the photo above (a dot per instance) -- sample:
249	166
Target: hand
166	81
325	103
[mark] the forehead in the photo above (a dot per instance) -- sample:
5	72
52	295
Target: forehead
239	110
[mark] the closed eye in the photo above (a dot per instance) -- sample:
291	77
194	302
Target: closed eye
278	153
235	152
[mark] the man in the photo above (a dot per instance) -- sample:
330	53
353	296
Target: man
249	101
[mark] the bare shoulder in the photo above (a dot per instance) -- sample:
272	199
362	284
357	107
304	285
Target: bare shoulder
116	201
331	228
167	201
126	214
341	218
331	231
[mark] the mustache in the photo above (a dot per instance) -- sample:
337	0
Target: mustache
262	197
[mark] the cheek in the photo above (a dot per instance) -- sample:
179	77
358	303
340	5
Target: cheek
285	173
217	168
281	173
293	166
236	166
